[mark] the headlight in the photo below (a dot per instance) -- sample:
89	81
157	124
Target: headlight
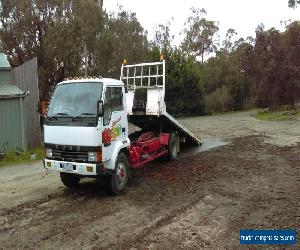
48	152
92	156
95	156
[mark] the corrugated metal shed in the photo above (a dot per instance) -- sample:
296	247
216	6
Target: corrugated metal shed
12	132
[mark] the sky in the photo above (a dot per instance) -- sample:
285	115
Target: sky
241	15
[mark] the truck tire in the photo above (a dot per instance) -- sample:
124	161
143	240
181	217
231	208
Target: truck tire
70	180
172	147
119	178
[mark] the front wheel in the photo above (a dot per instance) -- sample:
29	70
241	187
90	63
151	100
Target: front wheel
119	178
70	180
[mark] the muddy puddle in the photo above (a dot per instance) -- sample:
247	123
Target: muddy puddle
208	144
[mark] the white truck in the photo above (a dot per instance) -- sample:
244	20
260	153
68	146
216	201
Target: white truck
86	129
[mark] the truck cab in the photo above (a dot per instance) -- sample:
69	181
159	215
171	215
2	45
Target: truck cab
86	131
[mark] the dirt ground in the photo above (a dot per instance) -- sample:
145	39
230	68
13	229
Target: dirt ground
199	201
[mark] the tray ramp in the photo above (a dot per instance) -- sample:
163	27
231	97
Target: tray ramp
145	97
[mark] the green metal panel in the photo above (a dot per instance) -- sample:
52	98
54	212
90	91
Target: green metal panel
11	137
5	76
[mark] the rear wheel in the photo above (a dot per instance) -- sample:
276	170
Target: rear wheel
70	180
172	147
119	178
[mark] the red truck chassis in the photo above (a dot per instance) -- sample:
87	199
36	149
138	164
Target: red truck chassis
147	148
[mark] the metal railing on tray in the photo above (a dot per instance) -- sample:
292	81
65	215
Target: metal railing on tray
144	75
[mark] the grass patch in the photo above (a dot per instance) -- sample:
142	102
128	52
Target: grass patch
232	111
277	115
12	158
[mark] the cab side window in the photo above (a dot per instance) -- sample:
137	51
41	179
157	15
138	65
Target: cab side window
113	101
117	99
107	106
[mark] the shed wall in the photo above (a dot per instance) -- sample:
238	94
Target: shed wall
5	76
26	78
11	138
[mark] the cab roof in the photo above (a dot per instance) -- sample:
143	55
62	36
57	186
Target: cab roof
106	81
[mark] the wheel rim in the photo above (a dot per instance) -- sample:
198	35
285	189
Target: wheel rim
121	175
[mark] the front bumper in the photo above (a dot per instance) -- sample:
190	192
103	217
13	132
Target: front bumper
84	169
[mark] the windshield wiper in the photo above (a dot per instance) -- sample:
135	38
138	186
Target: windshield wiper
81	115
57	115
61	114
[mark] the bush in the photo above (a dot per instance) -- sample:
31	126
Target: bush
219	101
184	92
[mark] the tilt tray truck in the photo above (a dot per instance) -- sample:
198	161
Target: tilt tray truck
86	128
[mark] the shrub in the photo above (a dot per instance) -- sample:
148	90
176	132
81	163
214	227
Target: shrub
219	101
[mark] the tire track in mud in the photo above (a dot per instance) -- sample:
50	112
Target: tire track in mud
155	225
62	211
22	211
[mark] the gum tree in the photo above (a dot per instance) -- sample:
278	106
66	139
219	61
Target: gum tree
200	35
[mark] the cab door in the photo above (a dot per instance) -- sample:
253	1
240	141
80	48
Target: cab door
115	125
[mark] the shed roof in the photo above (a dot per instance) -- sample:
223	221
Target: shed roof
9	90
4	64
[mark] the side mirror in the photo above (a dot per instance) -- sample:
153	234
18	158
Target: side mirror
100	108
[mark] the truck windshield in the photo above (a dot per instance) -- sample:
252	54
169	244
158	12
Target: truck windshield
75	99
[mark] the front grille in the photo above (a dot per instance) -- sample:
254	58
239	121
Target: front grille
72	156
